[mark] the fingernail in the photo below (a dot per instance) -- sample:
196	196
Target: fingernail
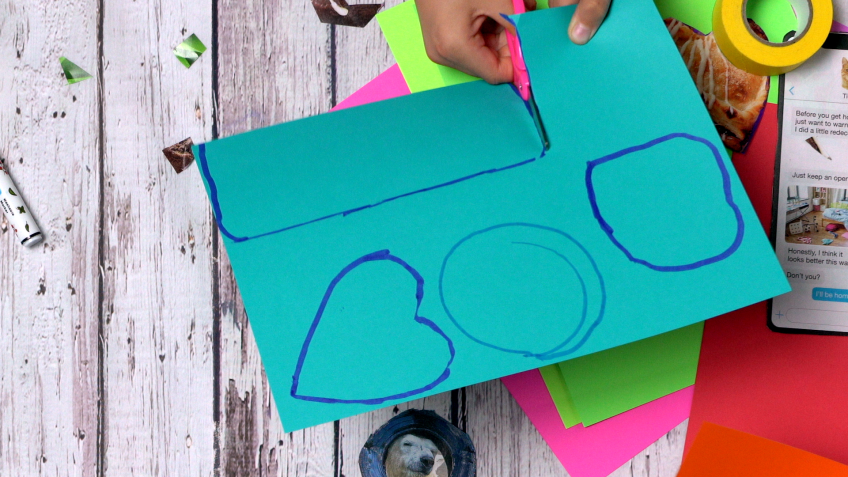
581	34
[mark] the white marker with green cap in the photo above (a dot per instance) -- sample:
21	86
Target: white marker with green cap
17	212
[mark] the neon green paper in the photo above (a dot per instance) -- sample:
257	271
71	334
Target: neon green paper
411	246
606	384
402	29
560	395
73	73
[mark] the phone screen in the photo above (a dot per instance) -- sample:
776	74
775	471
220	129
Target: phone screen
811	194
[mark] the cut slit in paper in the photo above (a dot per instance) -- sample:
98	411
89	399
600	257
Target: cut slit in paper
289	197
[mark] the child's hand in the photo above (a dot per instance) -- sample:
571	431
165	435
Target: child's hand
469	35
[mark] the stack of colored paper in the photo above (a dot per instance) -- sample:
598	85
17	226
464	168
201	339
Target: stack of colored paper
492	257
642	380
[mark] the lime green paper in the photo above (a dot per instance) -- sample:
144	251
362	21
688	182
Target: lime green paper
402	29
73	73
597	376
189	50
605	384
559	393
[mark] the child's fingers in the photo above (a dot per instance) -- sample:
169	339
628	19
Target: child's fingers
586	20
482	61
530	4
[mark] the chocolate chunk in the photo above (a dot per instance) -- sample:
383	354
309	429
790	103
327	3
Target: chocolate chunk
180	155
338	12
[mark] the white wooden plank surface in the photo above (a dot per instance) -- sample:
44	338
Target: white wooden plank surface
48	295
157	241
274	65
183	391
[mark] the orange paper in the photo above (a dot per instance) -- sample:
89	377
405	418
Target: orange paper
722	452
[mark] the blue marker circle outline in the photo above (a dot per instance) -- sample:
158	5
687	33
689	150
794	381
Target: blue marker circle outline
419	297
557	350
728	196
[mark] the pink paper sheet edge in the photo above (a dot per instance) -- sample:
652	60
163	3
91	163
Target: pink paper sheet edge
594	451
389	84
600	449
839	28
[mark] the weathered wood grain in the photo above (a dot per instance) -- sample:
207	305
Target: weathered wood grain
361	54
274	64
506	441
48	294
157	244
660	459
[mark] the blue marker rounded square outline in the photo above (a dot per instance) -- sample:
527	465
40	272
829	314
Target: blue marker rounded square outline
728	195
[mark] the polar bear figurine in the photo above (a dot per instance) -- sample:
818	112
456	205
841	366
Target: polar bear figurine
414	456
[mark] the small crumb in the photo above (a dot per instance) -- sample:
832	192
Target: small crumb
55	113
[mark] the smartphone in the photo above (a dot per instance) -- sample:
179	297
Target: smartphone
810	212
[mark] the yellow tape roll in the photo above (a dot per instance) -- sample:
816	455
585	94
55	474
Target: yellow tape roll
753	54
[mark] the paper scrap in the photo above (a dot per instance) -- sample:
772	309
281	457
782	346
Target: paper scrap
338	12
189	50
619	379
560	395
73	73
597	451
388	84
720	451
438	237
180	155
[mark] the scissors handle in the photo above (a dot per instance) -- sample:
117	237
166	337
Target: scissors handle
519	69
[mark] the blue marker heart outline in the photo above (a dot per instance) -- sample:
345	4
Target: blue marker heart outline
419	297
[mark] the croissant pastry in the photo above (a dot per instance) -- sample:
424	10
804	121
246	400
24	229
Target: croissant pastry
845	73
734	98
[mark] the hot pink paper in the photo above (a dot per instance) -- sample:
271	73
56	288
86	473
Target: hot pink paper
594	451
390	84
839	28
600	449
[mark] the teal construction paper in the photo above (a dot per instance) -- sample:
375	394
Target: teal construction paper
408	247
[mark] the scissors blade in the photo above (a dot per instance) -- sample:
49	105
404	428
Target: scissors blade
537	120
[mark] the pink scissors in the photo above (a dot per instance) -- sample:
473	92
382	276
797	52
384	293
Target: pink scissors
520	77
